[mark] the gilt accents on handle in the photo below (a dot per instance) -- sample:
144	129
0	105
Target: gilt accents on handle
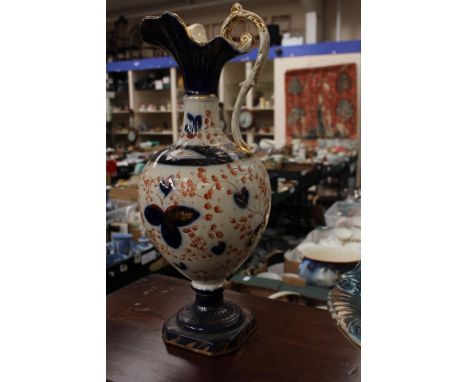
244	45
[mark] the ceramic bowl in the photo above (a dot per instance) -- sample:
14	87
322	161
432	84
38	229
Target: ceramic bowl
322	265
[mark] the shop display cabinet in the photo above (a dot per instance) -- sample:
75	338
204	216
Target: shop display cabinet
160	122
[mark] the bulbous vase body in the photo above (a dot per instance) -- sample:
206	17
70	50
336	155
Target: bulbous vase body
204	203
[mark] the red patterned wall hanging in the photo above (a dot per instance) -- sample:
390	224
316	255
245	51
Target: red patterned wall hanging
321	102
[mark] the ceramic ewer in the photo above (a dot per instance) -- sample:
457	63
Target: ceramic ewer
205	201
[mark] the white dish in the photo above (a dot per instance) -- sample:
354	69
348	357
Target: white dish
269	275
330	254
356	234
343	234
353	244
276	268
356	221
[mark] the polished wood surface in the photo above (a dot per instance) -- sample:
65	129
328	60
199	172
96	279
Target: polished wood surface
291	343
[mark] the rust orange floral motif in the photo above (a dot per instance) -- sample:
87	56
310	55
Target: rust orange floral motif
204	219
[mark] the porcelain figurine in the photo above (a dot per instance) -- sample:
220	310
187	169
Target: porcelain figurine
205	200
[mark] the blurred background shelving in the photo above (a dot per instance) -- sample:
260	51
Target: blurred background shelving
147	94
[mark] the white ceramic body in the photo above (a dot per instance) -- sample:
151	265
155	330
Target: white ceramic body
204	217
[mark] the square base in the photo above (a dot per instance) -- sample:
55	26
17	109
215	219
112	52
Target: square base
211	344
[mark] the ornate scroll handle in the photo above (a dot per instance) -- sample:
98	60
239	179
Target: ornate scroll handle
239	14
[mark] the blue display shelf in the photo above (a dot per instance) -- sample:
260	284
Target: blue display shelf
353	46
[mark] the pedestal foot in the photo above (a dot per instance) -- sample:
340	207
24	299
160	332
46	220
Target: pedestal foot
210	325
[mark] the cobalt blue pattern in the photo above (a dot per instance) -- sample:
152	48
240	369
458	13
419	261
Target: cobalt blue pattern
219	249
166	186
202	156
193	126
200	64
242	198
170	220
349	285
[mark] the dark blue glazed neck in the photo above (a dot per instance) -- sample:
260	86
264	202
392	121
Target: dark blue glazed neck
200	63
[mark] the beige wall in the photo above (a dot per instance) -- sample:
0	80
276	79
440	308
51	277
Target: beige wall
274	8
266	9
326	9
350	20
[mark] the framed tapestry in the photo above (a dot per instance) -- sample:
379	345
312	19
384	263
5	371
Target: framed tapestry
321	102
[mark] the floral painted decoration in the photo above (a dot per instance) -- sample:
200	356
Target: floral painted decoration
166	185
170	220
242	198
193	126
219	249
204	204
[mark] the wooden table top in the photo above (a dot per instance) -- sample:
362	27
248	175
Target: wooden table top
291	343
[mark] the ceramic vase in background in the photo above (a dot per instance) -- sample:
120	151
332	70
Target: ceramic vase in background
205	200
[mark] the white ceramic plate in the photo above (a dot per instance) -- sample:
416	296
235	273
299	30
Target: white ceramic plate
330	254
269	275
276	268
